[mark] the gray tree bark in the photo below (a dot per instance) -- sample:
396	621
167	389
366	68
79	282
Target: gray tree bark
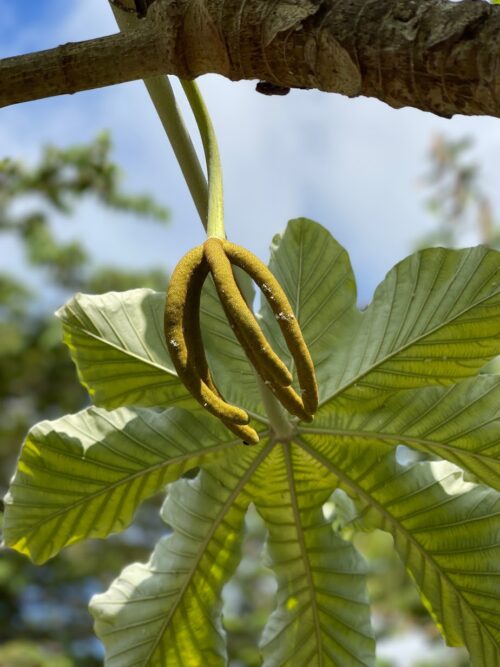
435	55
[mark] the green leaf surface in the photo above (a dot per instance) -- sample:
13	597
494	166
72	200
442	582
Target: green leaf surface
85	475
446	530
322	616
448	534
460	423
116	341
168	611
434	320
316	275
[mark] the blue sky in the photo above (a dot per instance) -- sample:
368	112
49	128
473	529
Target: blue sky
352	165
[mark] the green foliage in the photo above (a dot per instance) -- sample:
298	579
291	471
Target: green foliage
402	372
30	195
28	654
458	199
117	344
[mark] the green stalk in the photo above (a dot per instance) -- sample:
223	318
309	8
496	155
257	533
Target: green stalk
215	225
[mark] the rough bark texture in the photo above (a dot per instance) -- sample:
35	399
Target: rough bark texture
435	55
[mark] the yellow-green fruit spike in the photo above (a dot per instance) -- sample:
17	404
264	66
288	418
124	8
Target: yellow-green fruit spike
287	396
268	364
282	310
290	400
192	327
177	307
192	333
248	435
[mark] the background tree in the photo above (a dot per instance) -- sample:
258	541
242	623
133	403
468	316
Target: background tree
457	199
47	606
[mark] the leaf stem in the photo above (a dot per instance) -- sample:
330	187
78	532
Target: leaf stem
215	226
162	96
282	427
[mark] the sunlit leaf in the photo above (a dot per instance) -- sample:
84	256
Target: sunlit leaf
84	475
460	423
323	615
168	611
434	320
446	530
117	343
400	373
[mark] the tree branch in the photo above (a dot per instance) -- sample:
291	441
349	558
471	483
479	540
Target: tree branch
436	55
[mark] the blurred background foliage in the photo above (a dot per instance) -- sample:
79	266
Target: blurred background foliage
457	199
43	610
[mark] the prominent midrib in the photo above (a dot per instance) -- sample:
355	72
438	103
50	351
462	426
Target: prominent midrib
130	478
398	527
394	437
203	545
118	348
414	341
303	550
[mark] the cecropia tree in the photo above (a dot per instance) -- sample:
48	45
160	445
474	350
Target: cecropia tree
324	394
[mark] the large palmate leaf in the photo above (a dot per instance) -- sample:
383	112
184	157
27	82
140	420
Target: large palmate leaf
434	320
116	341
322	616
84	475
446	530
167	612
400	372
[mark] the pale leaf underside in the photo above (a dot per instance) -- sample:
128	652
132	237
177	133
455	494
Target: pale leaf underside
116	341
446	530
84	475
167	611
